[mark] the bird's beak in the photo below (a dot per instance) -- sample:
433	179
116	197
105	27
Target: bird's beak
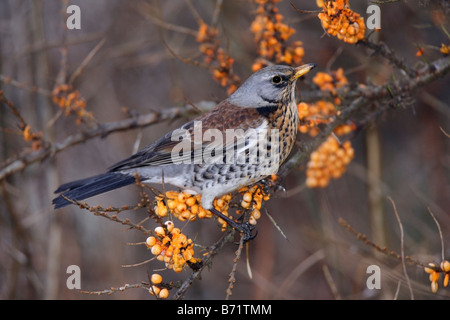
302	70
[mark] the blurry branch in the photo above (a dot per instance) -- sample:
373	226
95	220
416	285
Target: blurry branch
381	249
440	234
402	249
15	83
26	158
382	49
86	60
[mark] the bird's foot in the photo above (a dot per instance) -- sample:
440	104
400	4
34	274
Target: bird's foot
245	228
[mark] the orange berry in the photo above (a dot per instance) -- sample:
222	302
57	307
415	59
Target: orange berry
191	201
445	266
434	287
151	241
169	225
154	290
164	293
156	278
156	249
160	231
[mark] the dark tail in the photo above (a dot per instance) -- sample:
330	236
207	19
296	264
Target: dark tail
86	188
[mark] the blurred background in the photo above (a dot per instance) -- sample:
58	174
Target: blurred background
135	66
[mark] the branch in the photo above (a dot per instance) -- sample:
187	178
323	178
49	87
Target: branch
24	159
385	51
361	97
205	262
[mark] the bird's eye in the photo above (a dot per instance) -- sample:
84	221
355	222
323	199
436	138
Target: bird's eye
276	79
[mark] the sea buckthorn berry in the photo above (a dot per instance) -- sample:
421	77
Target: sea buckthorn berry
191	201
160	231
151	241
328	161
164	293
169	225
156	278
434	287
445	266
156	249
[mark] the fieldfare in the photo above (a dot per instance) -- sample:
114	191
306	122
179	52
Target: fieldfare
241	141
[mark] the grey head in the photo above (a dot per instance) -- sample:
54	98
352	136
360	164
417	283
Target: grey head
268	86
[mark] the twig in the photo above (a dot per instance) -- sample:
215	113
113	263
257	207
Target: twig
440	233
21	161
99	211
330	282
227	237
385	51
119	289
402	249
363	238
232	278
304	11
86	60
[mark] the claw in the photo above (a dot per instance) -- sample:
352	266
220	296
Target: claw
246	228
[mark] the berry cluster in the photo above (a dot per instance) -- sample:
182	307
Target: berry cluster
171	246
322	111
328	161
216	57
156	288
340	21
271	35
313	114
252	199
71	102
435	271
182	205
331	82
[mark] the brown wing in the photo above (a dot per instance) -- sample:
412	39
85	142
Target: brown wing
223	116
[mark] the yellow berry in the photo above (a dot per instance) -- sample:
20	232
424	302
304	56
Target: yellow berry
172	204
151	241
245	204
191	201
434	287
155	290
247	197
156	278
445	266
169	225
256	214
164	293
434	277
156	249
160	231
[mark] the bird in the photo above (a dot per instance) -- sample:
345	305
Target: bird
241	141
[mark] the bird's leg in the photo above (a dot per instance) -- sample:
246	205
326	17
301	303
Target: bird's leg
245	227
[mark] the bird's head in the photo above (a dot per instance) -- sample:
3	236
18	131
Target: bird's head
269	86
